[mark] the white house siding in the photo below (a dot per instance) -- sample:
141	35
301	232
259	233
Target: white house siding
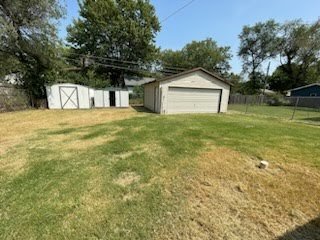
195	80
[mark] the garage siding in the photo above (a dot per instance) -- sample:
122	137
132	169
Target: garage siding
149	95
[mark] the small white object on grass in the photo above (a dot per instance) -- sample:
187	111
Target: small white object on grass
264	165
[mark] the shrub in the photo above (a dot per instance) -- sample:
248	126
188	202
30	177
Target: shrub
277	100
12	99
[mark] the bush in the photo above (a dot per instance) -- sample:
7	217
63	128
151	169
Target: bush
13	99
137	92
136	101
277	100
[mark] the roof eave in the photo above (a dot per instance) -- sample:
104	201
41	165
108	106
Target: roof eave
302	87
191	71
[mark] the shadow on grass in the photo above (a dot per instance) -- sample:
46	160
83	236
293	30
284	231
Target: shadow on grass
141	108
308	231
63	131
312	119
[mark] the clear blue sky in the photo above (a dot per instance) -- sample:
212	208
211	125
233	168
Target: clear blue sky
220	20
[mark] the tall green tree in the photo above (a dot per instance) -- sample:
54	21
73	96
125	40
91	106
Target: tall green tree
206	54
258	43
28	39
120	29
299	51
238	83
282	81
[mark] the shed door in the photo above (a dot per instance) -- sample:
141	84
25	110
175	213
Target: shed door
101	98
106	98
98	98
124	98
118	99
193	100
69	97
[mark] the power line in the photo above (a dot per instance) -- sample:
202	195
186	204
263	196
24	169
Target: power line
125	67
178	10
111	66
123	61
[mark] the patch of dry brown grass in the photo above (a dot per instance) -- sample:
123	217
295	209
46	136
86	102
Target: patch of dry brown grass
130	196
231	198
127	178
15	127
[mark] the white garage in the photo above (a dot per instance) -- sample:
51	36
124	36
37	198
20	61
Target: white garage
193	91
73	96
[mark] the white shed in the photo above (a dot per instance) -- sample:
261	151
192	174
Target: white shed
193	91
111	97
73	96
68	96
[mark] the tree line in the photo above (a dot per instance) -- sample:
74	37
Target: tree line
294	45
112	38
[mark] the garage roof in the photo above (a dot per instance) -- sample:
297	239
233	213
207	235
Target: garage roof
192	71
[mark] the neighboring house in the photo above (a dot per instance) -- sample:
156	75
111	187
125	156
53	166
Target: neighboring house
311	90
267	92
133	81
193	91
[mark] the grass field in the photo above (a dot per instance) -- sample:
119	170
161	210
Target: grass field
302	114
123	174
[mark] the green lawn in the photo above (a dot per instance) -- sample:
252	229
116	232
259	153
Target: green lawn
121	179
285	112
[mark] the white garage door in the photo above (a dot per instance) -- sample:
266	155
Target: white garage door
193	100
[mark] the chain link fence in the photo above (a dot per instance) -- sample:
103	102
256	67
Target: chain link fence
292	108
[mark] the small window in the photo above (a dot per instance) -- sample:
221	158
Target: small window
313	94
